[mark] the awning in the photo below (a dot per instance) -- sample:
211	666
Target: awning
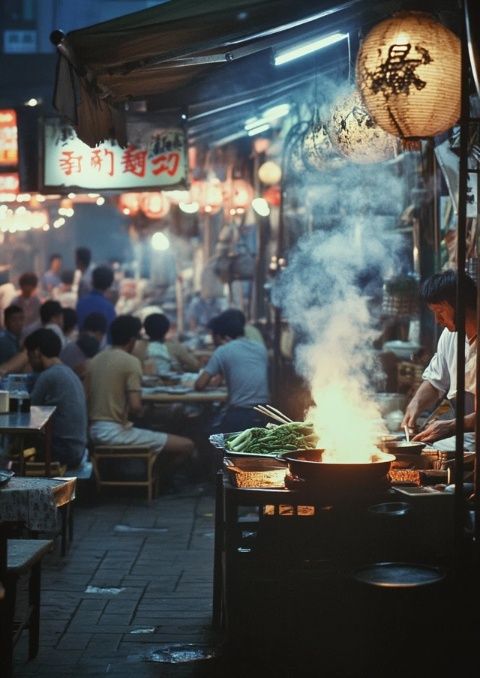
183	51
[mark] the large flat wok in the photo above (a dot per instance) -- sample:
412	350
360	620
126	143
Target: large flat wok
333	478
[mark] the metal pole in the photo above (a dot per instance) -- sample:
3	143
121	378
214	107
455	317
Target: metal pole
460	300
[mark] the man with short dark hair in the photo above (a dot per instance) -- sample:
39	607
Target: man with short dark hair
440	376
113	387
76	354
95	301
51	278
28	299
244	366
13	320
58	386
83	274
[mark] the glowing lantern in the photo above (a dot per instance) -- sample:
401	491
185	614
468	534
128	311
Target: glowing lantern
155	205
269	173
273	196
241	194
129	203
316	146
208	194
408	75
355	135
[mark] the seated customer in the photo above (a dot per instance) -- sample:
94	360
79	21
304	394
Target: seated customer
96	301
113	386
13	320
159	355
76	354
244	366
51	318
28	300
58	386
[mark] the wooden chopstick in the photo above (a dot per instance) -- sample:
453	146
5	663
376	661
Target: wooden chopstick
264	411
274	409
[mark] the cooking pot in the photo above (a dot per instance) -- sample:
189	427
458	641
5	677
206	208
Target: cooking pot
334	478
400	446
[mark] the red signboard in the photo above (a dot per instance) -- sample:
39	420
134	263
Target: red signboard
8	138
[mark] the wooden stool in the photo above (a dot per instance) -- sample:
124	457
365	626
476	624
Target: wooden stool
23	555
103	452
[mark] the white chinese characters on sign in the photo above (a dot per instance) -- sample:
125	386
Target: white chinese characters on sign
156	157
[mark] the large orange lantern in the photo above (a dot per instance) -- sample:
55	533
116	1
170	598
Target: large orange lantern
238	194
208	194
355	135
155	205
129	203
409	75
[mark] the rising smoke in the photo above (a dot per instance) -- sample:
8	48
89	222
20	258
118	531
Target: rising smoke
326	292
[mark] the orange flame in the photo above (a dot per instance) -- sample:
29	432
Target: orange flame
346	422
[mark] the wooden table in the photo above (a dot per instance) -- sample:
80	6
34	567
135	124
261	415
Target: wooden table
38	420
34	501
207	396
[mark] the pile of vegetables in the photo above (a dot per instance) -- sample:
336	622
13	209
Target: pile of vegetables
274	439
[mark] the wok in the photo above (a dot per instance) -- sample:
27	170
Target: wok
400	447
331	478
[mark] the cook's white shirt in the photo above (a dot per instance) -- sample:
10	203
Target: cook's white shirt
441	372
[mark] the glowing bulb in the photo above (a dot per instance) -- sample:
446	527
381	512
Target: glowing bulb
72	195
100	201
261	207
160	242
32	102
189	207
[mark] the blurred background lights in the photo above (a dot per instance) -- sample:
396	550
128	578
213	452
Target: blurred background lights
160	242
261	207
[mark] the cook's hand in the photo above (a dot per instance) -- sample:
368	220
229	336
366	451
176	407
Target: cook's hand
436	430
411	416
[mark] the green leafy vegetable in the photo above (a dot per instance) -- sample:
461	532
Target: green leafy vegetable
273	439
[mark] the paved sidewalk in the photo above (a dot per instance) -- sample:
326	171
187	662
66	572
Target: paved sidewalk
156	564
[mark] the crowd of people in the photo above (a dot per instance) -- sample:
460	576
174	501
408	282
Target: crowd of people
89	363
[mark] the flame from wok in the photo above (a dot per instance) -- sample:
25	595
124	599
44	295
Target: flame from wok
346	422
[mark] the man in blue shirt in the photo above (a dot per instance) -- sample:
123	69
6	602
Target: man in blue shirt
243	364
59	386
51	278
13	319
95	301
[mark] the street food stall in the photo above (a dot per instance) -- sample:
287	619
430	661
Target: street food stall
341	539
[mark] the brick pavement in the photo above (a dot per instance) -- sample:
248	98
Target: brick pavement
163	570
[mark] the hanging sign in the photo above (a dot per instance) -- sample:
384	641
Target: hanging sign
8	138
154	158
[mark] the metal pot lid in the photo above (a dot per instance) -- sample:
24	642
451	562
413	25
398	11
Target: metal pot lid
399	575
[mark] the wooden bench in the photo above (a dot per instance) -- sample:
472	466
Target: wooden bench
100	453
23	556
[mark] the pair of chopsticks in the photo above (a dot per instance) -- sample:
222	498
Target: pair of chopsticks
273	413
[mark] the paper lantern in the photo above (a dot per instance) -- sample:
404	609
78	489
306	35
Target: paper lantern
129	203
269	173
208	194
238	194
409	75
273	196
155	205
355	135
316	146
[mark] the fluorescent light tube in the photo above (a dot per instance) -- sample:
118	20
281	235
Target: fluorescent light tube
289	54
258	130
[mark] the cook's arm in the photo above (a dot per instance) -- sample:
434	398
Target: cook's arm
444	428
202	381
425	397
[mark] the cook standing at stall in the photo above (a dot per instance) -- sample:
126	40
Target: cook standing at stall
440	376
